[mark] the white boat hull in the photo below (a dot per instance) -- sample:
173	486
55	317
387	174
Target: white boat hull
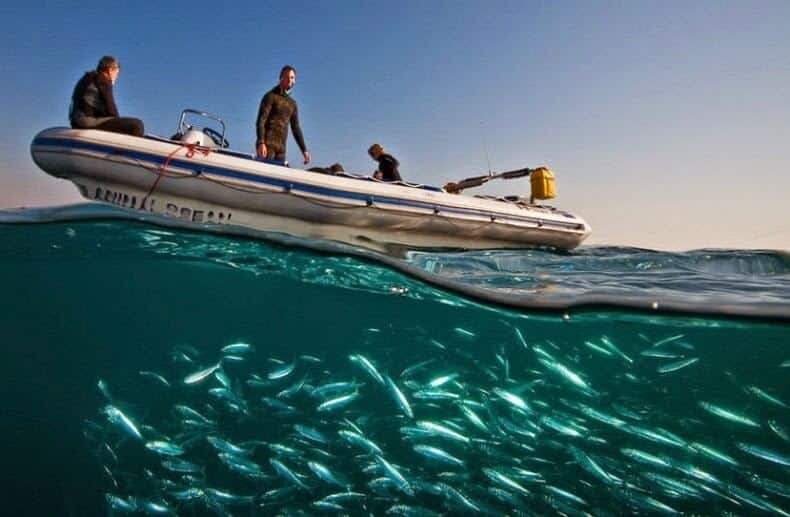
222	187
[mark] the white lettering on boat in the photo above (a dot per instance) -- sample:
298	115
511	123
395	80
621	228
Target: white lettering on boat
187	213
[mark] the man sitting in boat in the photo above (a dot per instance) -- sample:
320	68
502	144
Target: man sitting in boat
388	165
93	103
276	112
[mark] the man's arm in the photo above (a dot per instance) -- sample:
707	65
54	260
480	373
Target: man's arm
105	87
297	132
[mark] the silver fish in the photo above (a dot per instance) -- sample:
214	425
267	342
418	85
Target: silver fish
326	475
394	474
104	388
441	430
198	376
521	339
713	454
400	398
228	498
442	380
780	430
567	374
766	454
644	457
287	473
567	495
237	348
120	504
611	346
225	446
767	397
155	376
311	433
668	340
515	400
334	387
117	417
588	464
464	333
339	402
368	366
408	372
438	454
360	441
281	371
188	412
597	349
498	477
673	367
728	414
181	466
164	448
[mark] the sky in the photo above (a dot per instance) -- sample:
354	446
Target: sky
667	123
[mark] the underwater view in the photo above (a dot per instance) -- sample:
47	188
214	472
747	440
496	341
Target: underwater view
156	370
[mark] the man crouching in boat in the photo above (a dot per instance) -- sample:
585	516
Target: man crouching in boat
93	103
388	165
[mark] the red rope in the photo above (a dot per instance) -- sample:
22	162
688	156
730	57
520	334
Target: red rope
191	150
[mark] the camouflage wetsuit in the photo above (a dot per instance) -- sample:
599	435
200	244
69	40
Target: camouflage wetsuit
277	110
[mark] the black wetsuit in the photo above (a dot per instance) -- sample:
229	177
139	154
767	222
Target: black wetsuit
276	112
388	168
93	107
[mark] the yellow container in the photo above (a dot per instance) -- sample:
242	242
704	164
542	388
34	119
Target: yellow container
542	183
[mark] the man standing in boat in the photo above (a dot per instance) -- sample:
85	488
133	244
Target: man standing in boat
93	102
276	112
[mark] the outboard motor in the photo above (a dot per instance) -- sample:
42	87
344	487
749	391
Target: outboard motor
205	136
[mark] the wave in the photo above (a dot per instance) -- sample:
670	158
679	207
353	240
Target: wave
717	282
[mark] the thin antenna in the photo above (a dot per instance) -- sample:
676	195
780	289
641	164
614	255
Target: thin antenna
485	149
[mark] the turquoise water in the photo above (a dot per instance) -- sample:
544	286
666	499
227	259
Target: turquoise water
601	381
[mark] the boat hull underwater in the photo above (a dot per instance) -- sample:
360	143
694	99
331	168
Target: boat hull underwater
205	185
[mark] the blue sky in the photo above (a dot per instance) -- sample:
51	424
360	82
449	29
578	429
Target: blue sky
667	123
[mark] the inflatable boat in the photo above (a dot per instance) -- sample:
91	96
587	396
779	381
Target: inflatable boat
194	177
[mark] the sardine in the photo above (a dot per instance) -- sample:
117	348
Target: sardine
438	454
339	402
198	376
281	371
673	367
118	418
400	398
766	454
728	414
368	366
164	448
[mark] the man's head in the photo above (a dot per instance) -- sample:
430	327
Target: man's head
287	77
110	67
375	151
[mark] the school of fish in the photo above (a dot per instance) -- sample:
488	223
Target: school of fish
467	427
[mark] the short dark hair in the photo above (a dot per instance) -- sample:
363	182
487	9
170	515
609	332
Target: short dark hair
107	62
286	69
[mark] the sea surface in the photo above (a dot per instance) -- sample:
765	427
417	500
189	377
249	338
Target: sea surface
149	368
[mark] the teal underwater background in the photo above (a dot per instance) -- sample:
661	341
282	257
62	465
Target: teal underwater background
577	410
